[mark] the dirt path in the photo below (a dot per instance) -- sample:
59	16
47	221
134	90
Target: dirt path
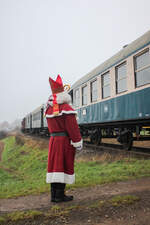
81	196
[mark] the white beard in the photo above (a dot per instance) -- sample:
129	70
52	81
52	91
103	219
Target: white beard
62	97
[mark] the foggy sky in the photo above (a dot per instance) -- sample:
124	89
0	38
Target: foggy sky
42	38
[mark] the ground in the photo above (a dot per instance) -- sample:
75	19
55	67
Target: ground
86	208
92	205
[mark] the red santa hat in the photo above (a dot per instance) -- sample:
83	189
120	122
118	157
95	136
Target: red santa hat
56	87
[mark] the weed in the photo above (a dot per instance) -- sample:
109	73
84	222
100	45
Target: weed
19	140
123	200
97	204
24	215
55	208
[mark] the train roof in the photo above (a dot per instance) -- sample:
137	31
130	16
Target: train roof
128	50
37	109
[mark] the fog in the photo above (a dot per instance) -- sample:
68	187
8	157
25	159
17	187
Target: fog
42	38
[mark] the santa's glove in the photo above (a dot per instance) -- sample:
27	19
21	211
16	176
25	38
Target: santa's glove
78	145
79	148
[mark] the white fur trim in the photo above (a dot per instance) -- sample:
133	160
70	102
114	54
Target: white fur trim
60	177
77	144
60	114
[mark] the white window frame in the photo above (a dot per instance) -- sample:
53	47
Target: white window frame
91	91
140	69
103	86
85	86
123	78
75	97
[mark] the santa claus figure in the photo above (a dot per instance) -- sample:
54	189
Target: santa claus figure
65	138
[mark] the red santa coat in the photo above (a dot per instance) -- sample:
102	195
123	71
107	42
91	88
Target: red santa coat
62	148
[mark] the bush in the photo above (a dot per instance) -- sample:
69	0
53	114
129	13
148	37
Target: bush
3	134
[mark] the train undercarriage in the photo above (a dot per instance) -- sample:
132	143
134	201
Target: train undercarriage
124	132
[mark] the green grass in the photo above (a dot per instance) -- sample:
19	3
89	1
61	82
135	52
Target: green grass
23	170
92	173
22	174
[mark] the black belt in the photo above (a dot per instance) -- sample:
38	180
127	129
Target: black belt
56	134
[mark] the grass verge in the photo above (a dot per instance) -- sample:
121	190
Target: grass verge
23	170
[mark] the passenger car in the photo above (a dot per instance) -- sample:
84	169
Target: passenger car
113	100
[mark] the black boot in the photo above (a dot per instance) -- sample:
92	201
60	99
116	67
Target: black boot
60	195
53	192
67	197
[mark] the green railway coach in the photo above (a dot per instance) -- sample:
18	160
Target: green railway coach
113	100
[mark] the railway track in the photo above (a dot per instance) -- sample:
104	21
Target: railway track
139	152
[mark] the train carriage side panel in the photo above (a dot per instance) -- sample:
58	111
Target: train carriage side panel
27	122
36	120
132	106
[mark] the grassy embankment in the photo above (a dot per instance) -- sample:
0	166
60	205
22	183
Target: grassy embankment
23	170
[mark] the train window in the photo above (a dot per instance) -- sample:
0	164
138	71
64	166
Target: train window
94	91
142	69
121	78
77	98
105	85
84	95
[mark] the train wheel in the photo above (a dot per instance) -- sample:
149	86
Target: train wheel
127	145
95	138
